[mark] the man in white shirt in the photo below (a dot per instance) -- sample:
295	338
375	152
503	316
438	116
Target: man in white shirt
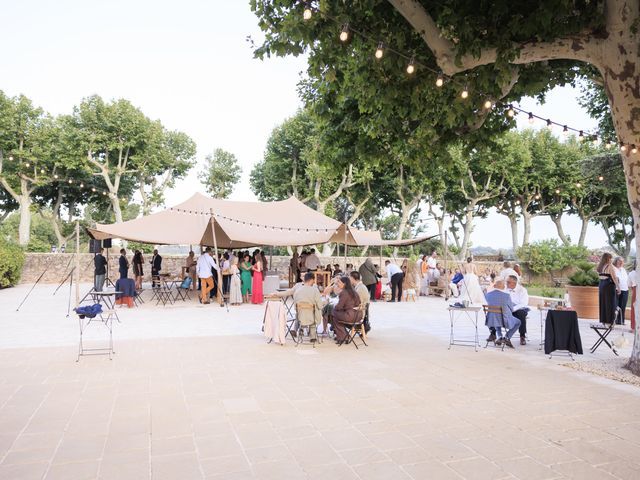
507	271
312	262
623	283
520	298
431	267
395	276
205	267
633	283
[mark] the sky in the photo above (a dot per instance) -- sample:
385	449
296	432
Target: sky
189	64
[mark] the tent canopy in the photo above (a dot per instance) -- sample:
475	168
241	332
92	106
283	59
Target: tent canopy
238	225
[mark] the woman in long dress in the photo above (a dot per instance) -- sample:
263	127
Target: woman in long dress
245	276
138	271
235	289
256	287
608	289
470	289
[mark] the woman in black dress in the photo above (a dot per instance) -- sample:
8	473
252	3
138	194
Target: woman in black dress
608	289
138	273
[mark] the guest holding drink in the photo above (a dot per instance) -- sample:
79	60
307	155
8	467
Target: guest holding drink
245	276
608	289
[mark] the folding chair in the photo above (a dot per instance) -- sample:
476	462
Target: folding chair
497	309
307	310
356	329
603	330
182	290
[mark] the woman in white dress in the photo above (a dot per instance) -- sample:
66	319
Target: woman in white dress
235	291
470	285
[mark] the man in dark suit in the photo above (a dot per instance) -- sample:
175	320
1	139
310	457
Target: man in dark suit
502	299
123	264
100	271
156	266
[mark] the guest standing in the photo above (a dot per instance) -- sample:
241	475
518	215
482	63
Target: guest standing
608	289
312	261
235	292
256	284
623	284
156	266
226	274
263	259
395	276
633	283
190	269
245	276
206	265
138	271
123	264
100	271
368	276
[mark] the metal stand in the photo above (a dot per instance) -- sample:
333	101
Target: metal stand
106	319
475	343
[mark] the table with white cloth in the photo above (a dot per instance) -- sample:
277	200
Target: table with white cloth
471	313
274	324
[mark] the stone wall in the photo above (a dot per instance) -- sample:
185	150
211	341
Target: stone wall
58	265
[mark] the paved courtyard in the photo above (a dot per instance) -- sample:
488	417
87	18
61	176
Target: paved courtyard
195	392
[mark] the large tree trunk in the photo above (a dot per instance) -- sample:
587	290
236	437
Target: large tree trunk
513	220
583	231
526	230
115	204
24	229
557	221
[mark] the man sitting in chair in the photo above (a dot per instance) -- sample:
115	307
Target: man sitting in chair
520	299
494	321
310	295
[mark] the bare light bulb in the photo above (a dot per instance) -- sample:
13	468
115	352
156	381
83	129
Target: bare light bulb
581	136
510	111
565	130
344	34
601	178
623	147
549	125
380	51
557	190
439	80
411	67
531	119
578	184
27	164
465	92
488	104
634	150
307	13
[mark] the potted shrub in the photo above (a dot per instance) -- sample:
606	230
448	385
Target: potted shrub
583	291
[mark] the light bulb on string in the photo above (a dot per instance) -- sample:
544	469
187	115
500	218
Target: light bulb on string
623	147
70	181
439	80
380	50
578	184
531	119
344	34
27	164
82	185
510	111
465	92
42	170
634	150
557	190
581	136
55	176
595	141
601	178
411	67
93	189
549	124
608	145
104	193
537	196
307	12
488	104
565	130
10	157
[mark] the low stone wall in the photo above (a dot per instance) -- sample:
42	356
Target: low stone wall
58	265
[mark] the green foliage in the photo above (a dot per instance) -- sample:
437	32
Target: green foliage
545	291
547	256
221	173
11	262
143	247
586	276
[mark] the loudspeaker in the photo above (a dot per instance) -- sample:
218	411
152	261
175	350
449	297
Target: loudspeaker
106	243
94	246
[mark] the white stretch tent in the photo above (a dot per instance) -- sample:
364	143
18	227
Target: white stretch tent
240	225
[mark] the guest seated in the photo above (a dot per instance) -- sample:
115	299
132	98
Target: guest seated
332	291
346	310
507	270
494	321
520	298
363	292
453	285
309	293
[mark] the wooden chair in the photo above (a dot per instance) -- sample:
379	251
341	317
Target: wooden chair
356	329
305	309
497	309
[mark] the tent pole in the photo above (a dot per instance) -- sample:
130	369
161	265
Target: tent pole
77	269
215	249
345	244
446	269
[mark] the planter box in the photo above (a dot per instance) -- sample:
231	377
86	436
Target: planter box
584	301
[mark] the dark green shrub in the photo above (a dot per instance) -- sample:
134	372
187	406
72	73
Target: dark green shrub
11	262
586	276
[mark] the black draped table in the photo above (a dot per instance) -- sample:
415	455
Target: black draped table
562	332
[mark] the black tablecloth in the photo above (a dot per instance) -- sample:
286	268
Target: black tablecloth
561	332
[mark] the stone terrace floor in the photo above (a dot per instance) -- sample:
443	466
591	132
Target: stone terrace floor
195	392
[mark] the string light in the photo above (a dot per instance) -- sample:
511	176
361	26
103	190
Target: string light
537	197
623	147
634	150
596	141
439	80
42	170
608	145
344	34
549	124
531	119
601	178
488	104
465	92
55	176
70	181
581	136
565	130
557	190
307	12
27	164
380	50
578	184
411	67
510	111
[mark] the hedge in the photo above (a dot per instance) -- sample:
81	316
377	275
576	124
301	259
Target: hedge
11	262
